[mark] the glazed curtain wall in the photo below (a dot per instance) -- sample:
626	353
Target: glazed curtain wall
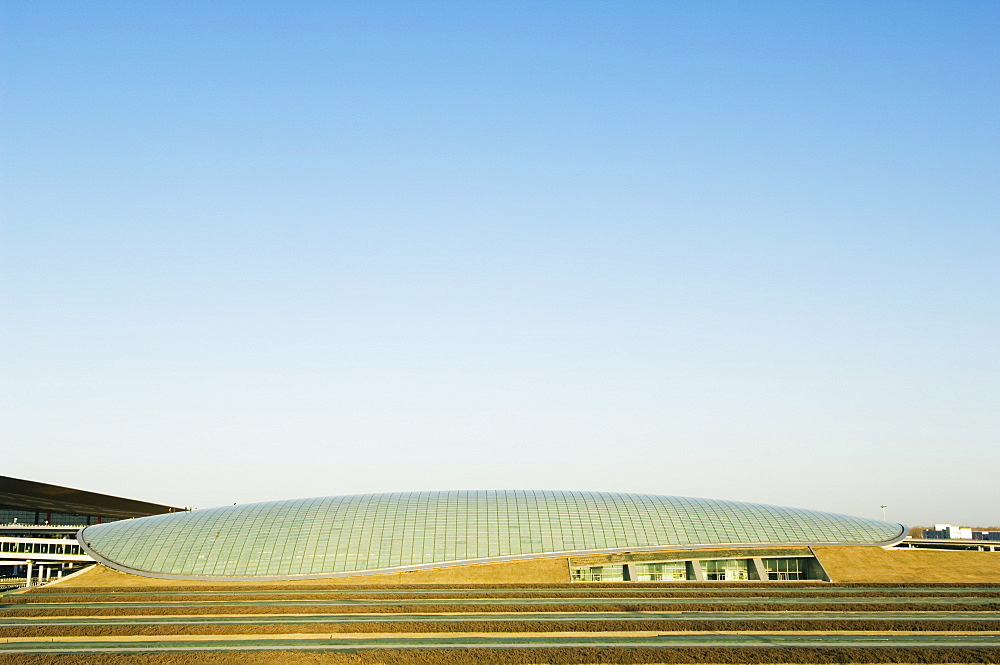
381	531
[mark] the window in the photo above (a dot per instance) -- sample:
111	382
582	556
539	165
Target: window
598	574
787	569
661	572
725	569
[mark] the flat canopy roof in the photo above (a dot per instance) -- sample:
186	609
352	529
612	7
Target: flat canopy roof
32	495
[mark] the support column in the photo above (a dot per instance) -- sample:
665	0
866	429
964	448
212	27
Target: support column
816	567
27	575
694	571
628	572
758	568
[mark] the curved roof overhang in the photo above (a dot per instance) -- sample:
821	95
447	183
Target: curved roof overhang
31	495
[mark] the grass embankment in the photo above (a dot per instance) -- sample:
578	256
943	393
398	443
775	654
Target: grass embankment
130	596
209	608
844	560
858	564
584	626
532	656
120	599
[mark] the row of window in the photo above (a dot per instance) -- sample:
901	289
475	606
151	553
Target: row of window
39	517
798	568
39	548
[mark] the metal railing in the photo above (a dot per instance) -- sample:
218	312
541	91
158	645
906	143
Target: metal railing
12	582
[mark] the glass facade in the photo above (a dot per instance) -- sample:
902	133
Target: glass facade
10	515
598	574
331	535
785	568
661	572
788	569
726	569
56	546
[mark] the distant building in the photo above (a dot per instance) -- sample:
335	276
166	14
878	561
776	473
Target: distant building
949	532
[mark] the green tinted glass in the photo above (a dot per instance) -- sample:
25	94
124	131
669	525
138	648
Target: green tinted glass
374	532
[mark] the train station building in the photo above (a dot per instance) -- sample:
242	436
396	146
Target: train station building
512	536
468	537
39	522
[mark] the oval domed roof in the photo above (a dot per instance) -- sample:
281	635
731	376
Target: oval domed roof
365	533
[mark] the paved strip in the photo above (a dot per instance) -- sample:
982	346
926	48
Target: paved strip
652	638
397	602
353	648
350	637
583	589
265	619
487	638
500	635
685	641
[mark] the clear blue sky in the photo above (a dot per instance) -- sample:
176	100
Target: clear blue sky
257	250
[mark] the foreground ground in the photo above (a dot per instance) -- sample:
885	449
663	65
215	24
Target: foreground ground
102	619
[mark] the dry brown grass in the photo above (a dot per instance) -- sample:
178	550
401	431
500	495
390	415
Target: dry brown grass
532	656
860	564
102	579
552	570
208	608
126	589
583	625
129	596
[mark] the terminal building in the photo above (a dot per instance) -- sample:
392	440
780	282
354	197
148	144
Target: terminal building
517	535
39	522
467	537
